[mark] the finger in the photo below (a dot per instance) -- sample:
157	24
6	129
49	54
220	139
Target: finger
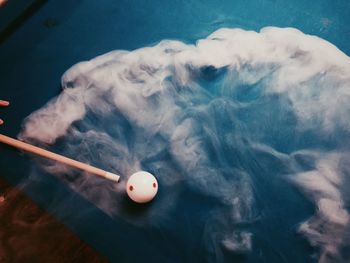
2	2
4	103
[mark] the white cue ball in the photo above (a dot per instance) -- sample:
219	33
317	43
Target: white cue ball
142	187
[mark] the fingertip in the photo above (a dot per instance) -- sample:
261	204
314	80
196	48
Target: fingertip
4	103
2	2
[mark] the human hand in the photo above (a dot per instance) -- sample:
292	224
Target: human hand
3	103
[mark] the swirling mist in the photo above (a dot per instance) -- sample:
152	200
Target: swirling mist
233	123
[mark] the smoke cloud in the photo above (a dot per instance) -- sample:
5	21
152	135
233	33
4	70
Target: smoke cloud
221	122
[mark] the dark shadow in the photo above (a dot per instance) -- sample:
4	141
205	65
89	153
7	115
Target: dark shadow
19	21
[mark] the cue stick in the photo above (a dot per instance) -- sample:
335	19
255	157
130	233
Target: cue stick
56	157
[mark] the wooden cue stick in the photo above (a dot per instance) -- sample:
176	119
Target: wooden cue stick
53	156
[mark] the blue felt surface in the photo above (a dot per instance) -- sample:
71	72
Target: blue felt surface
63	33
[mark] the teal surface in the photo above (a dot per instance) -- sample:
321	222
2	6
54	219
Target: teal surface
63	33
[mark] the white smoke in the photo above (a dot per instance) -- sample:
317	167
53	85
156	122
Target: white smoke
287	60
328	229
152	108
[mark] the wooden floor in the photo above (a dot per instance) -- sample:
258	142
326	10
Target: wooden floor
29	234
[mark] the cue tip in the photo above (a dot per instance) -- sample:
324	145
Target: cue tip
112	176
